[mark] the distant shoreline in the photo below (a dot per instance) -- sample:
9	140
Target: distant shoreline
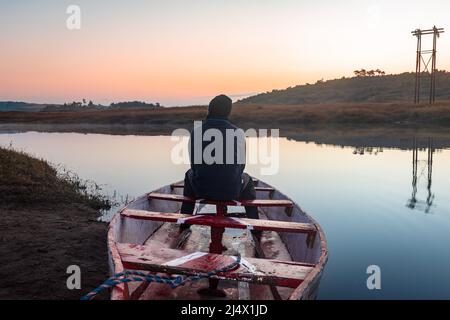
398	114
346	124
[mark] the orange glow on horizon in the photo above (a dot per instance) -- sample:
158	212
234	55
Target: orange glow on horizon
184	52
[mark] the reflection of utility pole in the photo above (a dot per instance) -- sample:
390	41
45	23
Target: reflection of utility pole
430	197
413	202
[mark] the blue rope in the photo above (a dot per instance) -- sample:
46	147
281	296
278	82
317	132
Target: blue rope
138	276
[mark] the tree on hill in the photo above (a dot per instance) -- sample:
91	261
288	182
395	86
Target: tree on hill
369	73
360	73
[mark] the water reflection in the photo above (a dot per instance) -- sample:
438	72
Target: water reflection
419	166
422	169
358	200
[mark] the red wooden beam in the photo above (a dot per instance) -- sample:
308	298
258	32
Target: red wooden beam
221	222
246	203
172	261
181	185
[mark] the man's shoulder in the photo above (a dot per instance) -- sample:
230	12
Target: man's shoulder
214	124
232	125
219	123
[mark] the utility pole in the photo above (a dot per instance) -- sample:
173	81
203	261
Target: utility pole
426	57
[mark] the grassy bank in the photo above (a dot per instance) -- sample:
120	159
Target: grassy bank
364	88
25	180
48	221
288	118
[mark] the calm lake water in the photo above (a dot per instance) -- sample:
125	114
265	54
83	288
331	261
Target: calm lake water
364	202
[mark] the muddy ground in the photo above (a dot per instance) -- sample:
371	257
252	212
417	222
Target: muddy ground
37	244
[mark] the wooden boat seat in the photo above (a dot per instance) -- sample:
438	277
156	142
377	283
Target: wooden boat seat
173	261
221	221
264	189
245	203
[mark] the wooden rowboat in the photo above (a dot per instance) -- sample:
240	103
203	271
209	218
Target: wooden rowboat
287	262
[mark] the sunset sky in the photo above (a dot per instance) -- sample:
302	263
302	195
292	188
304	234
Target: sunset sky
181	52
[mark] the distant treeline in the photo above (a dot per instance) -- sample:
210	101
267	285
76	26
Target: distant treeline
84	105
74	106
134	105
367	86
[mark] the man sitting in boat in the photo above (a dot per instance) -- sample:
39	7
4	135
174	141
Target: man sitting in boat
220	180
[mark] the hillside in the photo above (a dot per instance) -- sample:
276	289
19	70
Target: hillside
20	106
386	88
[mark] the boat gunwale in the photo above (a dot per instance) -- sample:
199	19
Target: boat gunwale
121	292
314	275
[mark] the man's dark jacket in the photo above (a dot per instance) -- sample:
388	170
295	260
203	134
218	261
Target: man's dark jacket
218	181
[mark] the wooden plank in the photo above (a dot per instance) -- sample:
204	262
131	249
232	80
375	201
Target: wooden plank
246	203
172	261
265	189
243	288
260	253
222	222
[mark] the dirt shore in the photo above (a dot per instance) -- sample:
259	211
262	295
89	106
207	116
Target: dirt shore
38	244
47	223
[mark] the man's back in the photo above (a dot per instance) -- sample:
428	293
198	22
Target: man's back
217	153
219	161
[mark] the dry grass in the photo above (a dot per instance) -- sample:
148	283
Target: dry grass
345	115
133	116
26	181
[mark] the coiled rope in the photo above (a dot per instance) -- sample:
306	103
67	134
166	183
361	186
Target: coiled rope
138	276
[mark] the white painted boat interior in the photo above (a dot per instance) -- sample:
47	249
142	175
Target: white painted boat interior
278	246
